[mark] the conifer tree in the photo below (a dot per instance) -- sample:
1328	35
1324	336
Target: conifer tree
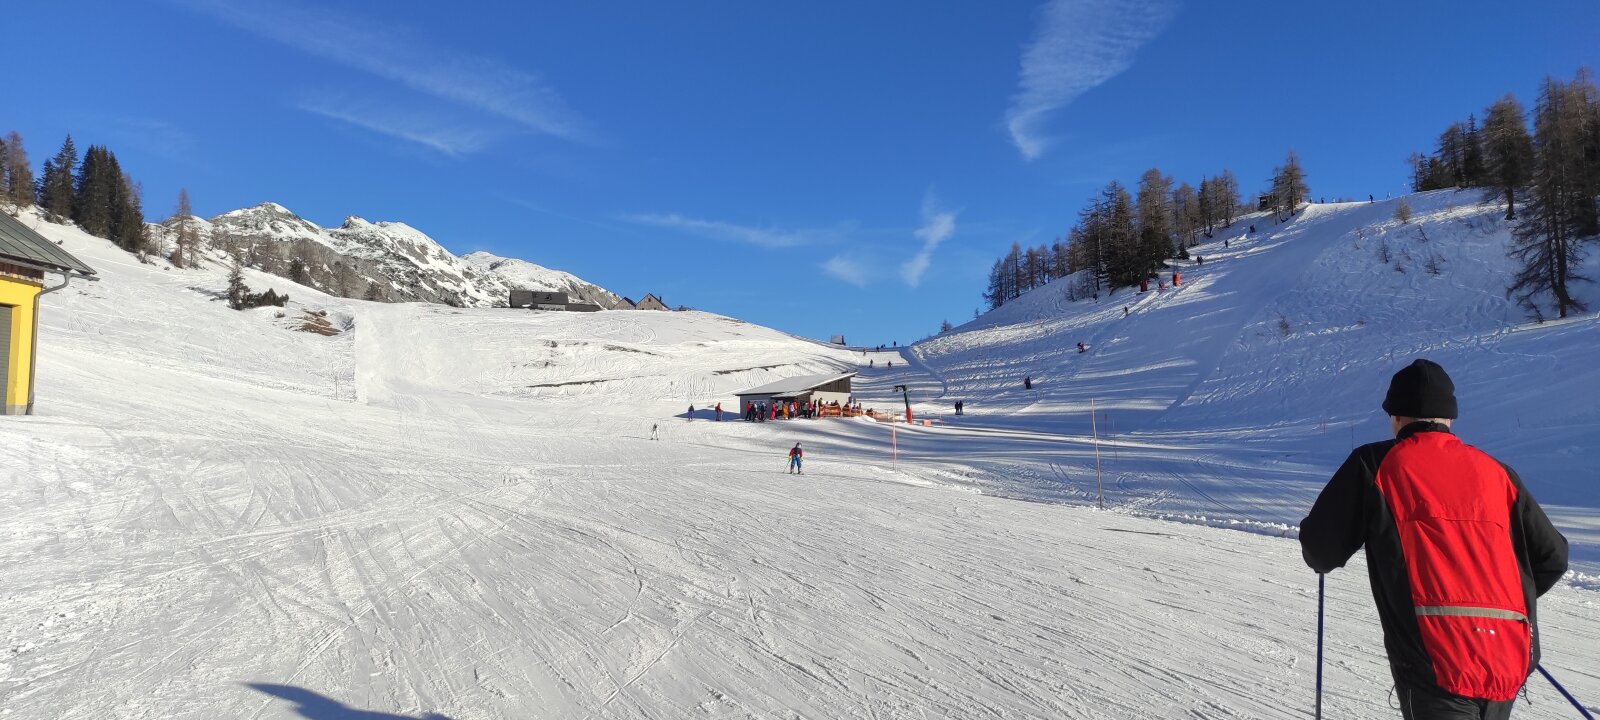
93	198
1562	210
16	174
1155	220
56	182
1186	214
1507	152
238	292
1120	237
1472	165
127	221
187	235
1289	186
1228	196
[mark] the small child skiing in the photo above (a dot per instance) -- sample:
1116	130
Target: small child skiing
655	431
795	457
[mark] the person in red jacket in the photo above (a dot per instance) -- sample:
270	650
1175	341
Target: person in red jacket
1458	552
796	456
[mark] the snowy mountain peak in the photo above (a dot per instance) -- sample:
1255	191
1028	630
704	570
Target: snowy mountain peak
385	259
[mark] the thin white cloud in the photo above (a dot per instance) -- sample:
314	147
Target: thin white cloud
937	226
1079	45
846	268
450	139
486	85
719	230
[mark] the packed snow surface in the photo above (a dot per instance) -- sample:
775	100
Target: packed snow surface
442	512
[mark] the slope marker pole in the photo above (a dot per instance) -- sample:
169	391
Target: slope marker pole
1094	428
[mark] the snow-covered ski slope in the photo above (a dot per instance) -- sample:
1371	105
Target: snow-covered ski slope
1230	399
457	513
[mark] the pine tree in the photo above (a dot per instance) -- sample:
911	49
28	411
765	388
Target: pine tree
1449	157
1120	237
187	236
297	270
1289	186
1562	209
945	327
56	182
16	174
1472	165
1016	284
1228	196
1155	220
238	292
1186	214
127	223
994	294
1507	152
93	199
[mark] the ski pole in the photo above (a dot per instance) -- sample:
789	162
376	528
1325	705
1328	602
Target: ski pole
1322	585
1564	693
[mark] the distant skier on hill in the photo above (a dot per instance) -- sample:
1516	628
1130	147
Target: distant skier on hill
691	413
796	455
719	412
1457	549
1027	382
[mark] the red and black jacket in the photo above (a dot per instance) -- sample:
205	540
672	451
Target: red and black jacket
1457	551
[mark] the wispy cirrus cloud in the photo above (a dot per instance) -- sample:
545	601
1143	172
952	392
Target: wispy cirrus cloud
1079	45
483	84
767	237
454	139
846	268
937	226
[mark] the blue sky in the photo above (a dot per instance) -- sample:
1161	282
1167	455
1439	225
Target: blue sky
817	167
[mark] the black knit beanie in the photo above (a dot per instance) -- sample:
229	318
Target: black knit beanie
1421	390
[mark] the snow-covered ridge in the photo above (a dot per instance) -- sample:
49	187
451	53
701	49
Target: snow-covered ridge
1246	386
380	260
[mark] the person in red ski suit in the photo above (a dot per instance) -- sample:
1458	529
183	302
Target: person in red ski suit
1458	552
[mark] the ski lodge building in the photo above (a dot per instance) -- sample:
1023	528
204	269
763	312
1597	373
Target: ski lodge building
557	301
830	388
25	258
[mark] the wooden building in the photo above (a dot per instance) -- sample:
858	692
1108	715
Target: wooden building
651	302
830	388
26	258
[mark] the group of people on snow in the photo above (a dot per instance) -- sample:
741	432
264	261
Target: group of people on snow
788	410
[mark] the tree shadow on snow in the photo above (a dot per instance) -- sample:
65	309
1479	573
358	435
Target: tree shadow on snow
319	707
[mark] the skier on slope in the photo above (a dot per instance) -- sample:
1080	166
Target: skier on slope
1457	553
719	412
795	456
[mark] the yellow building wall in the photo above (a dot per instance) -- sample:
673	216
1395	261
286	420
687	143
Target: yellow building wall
20	295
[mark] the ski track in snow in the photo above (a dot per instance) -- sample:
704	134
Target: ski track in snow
459	512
